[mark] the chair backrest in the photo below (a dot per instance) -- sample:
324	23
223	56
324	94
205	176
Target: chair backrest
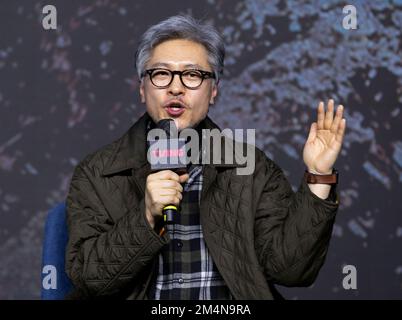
55	282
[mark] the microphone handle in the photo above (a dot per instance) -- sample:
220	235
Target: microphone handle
168	213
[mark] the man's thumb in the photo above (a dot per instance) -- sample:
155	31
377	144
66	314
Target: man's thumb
184	177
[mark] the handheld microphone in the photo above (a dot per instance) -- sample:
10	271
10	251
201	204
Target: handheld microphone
168	154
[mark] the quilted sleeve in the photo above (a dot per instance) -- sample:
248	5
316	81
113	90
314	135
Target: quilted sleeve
103	257
292	229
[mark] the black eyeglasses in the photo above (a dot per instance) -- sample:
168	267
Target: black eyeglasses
190	78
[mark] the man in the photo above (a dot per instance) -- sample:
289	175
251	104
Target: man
235	235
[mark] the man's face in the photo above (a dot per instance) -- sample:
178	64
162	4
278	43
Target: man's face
178	55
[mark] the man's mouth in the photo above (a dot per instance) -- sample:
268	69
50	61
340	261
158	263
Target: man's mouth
175	108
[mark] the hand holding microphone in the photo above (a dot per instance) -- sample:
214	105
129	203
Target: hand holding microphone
167	157
162	189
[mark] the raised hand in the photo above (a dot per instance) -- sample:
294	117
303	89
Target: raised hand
324	141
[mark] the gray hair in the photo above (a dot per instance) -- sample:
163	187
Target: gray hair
182	27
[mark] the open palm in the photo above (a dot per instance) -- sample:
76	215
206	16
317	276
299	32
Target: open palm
325	139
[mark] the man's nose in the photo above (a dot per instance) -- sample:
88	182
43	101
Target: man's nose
176	87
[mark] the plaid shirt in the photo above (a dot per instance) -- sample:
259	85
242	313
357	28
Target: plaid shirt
186	270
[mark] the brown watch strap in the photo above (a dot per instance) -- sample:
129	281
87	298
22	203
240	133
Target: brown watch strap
321	178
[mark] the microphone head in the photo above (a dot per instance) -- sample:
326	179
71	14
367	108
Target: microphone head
169	126
170	152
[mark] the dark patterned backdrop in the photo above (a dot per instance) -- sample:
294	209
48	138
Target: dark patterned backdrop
64	93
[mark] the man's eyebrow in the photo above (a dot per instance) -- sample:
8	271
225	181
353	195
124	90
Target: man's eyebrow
159	64
194	66
167	65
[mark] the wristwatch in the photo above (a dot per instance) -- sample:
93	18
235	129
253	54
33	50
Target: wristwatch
321	178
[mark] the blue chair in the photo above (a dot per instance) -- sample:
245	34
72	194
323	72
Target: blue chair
55	282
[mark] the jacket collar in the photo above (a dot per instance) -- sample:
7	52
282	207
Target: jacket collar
131	149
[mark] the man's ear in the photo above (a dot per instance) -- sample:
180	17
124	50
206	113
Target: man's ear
213	93
142	92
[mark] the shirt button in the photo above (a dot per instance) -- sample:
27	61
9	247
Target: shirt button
179	244
180	280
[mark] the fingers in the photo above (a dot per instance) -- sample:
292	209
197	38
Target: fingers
166	200
337	120
329	115
183	178
341	131
163	188
326	120
320	116
164	175
167	179
170	192
165	184
168	175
